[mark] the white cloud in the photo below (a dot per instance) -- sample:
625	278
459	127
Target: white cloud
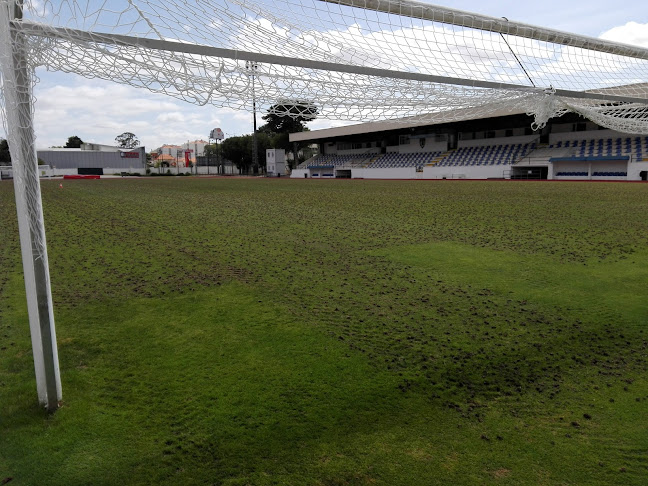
631	33
174	116
98	111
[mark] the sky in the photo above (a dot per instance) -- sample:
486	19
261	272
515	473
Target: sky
97	111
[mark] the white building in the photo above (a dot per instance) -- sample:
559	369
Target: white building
171	150
184	154
275	162
196	148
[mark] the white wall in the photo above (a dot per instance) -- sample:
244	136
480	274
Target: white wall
202	170
229	170
472	172
64	172
634	169
392	173
139	170
487	172
61	172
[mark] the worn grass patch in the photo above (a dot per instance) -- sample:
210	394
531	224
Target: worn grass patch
333	333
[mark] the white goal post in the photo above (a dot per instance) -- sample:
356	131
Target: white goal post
17	82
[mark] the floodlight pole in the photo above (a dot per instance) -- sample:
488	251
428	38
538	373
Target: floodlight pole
208	153
219	162
17	90
251	65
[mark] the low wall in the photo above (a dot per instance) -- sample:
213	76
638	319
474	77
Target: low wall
471	172
59	172
138	170
386	173
480	172
468	172
634	170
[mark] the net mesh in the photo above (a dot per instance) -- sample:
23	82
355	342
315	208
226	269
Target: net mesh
428	65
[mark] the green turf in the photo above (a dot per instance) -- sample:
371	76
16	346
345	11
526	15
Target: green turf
259	332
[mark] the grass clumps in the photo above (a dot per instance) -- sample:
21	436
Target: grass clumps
335	332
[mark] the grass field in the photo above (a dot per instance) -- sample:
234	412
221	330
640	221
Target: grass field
278	332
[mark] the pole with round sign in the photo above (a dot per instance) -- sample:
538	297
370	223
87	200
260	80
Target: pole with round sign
216	134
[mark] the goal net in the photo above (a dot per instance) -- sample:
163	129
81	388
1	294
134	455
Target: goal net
356	60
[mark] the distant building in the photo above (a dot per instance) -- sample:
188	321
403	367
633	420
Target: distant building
275	162
171	150
183	155
93	158
195	148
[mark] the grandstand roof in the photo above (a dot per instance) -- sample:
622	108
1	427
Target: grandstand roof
463	114
639	89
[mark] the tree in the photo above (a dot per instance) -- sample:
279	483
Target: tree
264	142
240	149
5	156
127	140
236	150
211	150
73	142
289	116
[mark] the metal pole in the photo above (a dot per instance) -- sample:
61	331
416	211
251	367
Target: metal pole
18	99
253	66
208	154
255	155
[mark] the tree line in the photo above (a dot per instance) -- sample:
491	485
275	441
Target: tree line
5	156
280	120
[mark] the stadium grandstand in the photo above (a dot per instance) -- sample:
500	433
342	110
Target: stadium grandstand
503	146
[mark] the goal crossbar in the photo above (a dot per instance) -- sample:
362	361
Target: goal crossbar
240	55
437	13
